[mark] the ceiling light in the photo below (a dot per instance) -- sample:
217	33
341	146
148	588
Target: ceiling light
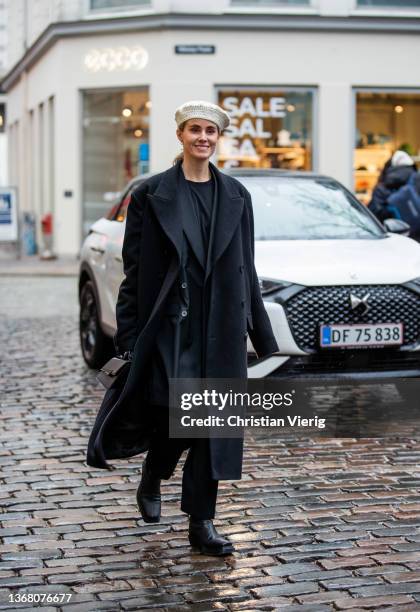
127	111
398	108
138	132
290	108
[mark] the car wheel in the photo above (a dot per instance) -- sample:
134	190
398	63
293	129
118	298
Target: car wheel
96	347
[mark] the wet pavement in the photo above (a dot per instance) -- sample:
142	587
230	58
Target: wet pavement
318	524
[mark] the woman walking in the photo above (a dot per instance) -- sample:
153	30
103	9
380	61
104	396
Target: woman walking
188	300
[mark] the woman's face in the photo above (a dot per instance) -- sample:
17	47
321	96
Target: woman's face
199	138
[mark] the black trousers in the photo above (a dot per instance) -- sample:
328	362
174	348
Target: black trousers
199	490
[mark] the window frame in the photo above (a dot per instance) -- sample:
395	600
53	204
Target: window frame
385	7
272	4
313	89
126	10
353	124
311	8
357	10
82	169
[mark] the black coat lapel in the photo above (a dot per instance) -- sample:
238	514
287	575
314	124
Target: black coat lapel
167	207
167	204
228	214
190	222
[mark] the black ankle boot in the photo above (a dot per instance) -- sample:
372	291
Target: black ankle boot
148	495
203	535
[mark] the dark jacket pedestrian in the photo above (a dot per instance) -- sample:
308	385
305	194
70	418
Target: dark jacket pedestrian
395	174
188	301
404	204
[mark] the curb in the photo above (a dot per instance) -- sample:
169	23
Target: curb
37	267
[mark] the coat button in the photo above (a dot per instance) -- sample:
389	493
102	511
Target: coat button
184	285
184	313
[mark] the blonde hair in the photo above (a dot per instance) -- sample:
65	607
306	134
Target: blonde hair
180	155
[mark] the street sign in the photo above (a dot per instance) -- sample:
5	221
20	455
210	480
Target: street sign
195	49
8	215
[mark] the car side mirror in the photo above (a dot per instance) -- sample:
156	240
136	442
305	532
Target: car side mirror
396	226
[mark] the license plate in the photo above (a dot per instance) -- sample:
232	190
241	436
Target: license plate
385	334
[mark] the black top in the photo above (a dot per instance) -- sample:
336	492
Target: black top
189	343
202	198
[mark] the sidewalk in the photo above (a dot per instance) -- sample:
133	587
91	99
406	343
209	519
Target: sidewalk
32	265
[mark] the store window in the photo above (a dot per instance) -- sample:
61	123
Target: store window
114	4
115	146
398	4
279	3
385	122
270	128
2	118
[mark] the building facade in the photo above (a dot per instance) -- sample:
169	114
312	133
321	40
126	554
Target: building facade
3	64
92	86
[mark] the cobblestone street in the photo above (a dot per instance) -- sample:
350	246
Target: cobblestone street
330	524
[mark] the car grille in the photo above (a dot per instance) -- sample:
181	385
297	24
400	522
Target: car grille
316	305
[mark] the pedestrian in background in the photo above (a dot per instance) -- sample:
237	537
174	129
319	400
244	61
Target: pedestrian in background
188	300
395	174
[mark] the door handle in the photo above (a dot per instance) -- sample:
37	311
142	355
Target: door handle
97	249
118	258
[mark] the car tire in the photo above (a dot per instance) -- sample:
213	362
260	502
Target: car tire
96	346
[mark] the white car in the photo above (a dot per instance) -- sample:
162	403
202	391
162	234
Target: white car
342	290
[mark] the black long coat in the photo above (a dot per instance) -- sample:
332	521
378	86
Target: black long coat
152	250
181	339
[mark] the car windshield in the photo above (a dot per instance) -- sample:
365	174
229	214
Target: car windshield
288	208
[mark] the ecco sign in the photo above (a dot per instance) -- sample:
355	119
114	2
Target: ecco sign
111	59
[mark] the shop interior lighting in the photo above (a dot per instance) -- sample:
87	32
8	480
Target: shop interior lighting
127	111
290	108
399	108
149	104
138	133
1	120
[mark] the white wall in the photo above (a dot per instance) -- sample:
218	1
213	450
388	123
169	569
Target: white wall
3	38
27	19
332	63
3	160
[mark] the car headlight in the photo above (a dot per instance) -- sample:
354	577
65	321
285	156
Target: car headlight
269	285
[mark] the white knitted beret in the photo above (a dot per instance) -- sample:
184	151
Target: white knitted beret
199	109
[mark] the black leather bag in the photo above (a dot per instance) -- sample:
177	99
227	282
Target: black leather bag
111	372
